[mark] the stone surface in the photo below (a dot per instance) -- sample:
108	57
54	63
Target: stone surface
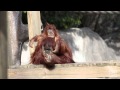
86	45
25	55
113	42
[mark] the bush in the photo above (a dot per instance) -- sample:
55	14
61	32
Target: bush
62	19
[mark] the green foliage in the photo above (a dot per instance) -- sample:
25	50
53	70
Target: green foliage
24	17
62	19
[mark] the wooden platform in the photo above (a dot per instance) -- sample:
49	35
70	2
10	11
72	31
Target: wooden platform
67	71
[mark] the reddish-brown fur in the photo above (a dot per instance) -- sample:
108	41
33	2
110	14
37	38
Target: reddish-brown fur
61	54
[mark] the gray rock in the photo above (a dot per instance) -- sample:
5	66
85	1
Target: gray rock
86	45
25	55
113	42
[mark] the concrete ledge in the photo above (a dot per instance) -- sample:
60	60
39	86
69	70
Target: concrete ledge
67	71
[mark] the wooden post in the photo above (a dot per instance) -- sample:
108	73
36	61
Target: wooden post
34	25
13	25
3	45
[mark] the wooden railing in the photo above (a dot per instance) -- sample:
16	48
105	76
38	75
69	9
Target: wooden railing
98	70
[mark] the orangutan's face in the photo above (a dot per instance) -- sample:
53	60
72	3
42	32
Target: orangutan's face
50	33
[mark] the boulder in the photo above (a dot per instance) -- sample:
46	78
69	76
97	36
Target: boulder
86	45
113	42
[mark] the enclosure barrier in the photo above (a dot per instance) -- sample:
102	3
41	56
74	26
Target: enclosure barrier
98	70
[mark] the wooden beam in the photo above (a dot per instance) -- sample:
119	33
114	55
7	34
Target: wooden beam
34	25
67	71
3	44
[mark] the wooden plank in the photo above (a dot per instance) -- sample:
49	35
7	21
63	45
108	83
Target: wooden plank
34	25
3	45
74	71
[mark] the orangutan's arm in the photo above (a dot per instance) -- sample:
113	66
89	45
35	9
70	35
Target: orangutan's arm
57	45
34	39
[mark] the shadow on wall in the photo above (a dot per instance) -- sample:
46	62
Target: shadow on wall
113	42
